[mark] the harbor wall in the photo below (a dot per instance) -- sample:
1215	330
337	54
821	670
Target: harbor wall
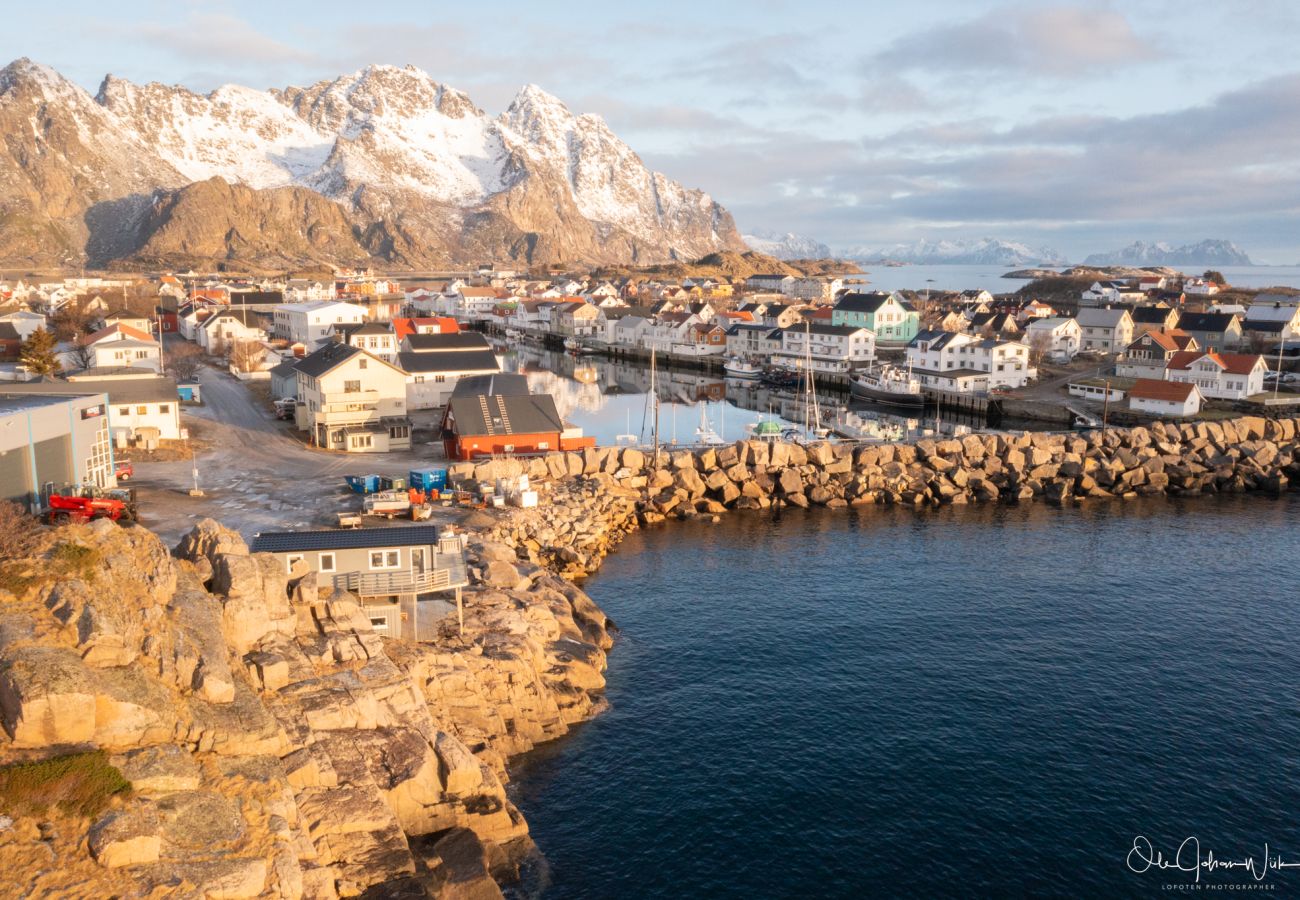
592	498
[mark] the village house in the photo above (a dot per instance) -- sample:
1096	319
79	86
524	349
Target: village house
1153	318
1220	376
353	401
117	346
814	290
962	362
1213	331
1106	329
1200	287
375	338
576	318
398	574
225	328
769	283
435	363
1059	339
884	314
424	325
1148	356
495	414
1035	309
312	324
753	341
127	318
142	405
832	348
1103	293
24	322
992	323
709	335
1168	399
1275	317
626	330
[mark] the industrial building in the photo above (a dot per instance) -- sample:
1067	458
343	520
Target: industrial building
59	439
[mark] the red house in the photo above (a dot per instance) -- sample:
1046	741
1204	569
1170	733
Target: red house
492	415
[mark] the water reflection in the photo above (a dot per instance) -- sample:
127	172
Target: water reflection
609	399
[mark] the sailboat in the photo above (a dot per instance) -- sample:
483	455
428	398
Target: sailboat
814	425
704	433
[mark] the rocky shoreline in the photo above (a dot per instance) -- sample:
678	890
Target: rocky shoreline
277	747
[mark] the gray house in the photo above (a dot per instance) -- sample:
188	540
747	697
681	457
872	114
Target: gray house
394	571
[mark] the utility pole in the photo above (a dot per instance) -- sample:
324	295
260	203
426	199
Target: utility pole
1278	380
1105	404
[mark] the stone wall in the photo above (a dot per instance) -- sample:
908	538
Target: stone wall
597	496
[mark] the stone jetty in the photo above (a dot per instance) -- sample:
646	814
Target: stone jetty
598	496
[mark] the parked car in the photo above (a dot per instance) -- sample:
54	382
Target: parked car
124	470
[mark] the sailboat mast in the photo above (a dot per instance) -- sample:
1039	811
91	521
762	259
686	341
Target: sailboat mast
654	396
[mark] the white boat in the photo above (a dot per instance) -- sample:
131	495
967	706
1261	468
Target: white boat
855	427
572	344
888	384
704	432
739	368
514	334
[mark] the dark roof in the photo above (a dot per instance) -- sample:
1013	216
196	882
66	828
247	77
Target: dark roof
327	358
160	388
351	328
820	328
1150	315
866	303
345	539
285	369
256	298
438	343
8	332
1264	327
452	361
504	383
246	317
504	414
1211	322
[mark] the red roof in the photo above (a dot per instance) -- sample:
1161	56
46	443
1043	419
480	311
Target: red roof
125	330
1232	363
442	324
1151	389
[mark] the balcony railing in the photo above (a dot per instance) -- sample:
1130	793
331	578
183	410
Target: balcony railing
385	584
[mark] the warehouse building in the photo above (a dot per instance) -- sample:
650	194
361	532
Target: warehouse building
59	439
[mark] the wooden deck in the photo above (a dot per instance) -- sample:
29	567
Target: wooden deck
448	573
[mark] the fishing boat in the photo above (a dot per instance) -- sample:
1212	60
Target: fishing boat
888	384
854	427
739	368
573	345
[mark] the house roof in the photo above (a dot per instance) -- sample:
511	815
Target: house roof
350	328
1232	363
506	383
504	414
404	326
442	343
119	390
1160	338
1101	316
345	539
327	358
1153	389
1210	322
452	361
1150	315
862	303
124	330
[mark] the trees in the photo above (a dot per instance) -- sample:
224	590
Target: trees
1039	343
82	356
38	354
184	360
1214	276
245	356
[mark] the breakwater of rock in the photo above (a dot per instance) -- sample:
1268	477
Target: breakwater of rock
598	496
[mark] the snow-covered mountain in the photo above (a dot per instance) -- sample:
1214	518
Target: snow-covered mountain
786	246
984	251
423	175
1205	253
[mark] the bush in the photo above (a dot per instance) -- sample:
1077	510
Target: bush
76	559
81	784
20	533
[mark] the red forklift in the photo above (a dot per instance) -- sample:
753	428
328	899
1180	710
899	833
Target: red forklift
79	503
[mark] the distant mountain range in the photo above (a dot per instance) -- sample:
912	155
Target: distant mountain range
984	251
1206	253
786	246
384	166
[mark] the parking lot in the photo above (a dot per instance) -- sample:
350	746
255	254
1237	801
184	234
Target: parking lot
255	474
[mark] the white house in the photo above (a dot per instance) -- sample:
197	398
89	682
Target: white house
832	348
375	338
1275	315
1200	287
312	324
1058	338
1148	356
1165	398
956	361
1105	329
122	345
140	406
1220	376
227	327
349	400
24	322
753	341
435	363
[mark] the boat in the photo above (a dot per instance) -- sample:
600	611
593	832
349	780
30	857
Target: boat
704	432
739	368
768	429
854	427
514	334
888	384
573	345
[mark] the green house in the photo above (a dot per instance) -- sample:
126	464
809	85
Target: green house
892	320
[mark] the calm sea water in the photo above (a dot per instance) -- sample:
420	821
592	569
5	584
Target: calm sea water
991	701
989	278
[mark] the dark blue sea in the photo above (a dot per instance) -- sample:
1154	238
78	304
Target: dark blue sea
982	702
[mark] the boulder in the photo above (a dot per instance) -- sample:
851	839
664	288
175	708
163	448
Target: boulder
127	837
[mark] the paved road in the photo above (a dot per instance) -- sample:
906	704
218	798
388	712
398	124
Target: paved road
255	476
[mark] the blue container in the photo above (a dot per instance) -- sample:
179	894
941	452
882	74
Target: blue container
429	479
362	484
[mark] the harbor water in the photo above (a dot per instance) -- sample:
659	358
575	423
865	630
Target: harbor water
975	701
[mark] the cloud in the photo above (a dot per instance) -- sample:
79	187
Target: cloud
1059	41
218	36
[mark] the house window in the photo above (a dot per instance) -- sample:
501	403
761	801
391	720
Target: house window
385	559
141	410
124	410
352	387
361	364
291	559
164	407
326	562
440	378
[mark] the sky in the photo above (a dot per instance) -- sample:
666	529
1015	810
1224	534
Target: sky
1077	126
